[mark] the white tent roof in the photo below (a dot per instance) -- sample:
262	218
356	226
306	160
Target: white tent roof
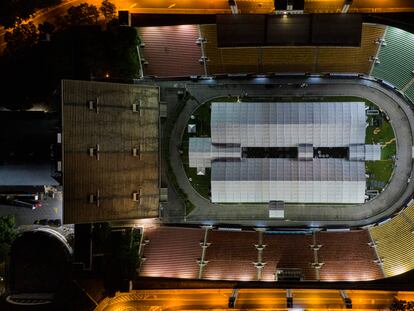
334	124
289	180
201	152
372	152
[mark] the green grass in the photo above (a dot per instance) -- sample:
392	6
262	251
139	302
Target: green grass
202	120
383	135
201	183
388	152
379	171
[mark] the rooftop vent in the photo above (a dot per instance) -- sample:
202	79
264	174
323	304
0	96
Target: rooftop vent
93	105
136	152
136	107
136	196
94	198
94	151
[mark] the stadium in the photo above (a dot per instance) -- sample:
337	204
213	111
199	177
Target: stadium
292	160
268	151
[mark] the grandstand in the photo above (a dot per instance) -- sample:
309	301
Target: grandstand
286	59
350	59
228	247
410	92
353	257
171	252
166	46
394	242
291	59
395	62
170	50
287	252
249	255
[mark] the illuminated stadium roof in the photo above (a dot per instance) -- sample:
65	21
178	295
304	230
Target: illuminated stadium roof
289	180
288	124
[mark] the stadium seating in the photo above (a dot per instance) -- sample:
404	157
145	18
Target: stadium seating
410	92
347	256
288	251
171	50
334	6
395	58
288	59
231	255
350	59
228	60
291	59
395	242
167	46
172	252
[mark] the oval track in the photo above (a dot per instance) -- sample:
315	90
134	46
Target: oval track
388	202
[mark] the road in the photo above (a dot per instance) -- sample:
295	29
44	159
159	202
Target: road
51	209
388	202
198	299
52	14
217	7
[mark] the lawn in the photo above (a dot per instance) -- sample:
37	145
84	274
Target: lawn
379	173
383	135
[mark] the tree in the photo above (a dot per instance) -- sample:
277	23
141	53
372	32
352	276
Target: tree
401	305
108	9
22	37
82	14
7	235
45	31
14	11
45	28
122	52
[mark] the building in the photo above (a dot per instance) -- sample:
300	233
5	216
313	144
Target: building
29	150
292	152
110	151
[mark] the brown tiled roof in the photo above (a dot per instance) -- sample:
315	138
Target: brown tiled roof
117	174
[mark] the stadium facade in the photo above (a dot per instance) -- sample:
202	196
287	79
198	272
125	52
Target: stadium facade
294	152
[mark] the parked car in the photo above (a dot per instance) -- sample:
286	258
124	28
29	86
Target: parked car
28	202
49	222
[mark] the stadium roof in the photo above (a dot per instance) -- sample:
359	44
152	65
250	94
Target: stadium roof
110	151
289	180
332	124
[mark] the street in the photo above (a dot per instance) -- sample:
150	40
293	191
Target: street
211	7
51	209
